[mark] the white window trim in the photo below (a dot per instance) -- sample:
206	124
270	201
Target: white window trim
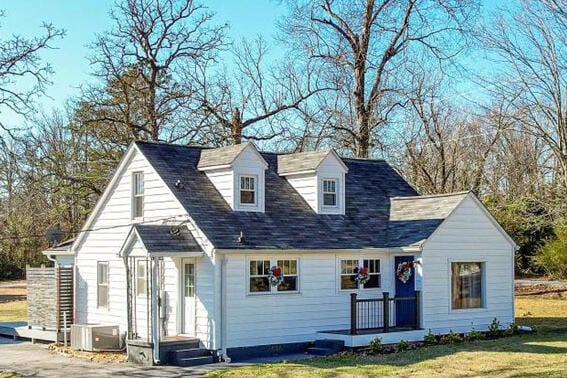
146	289
256	190
137	195
360	263
273	289
483	291
194	280
336	180
98	305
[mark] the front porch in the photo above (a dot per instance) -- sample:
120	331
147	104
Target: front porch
160	268
390	319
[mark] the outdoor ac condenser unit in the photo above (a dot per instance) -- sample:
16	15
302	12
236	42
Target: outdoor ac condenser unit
95	337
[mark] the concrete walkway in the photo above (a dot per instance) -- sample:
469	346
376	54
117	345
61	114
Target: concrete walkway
34	360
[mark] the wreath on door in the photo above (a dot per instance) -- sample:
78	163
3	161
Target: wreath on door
403	272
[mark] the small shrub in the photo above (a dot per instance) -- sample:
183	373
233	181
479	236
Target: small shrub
403	345
494	328
512	329
429	338
451	338
474	335
376	345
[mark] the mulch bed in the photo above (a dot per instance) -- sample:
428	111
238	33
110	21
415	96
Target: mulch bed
67	351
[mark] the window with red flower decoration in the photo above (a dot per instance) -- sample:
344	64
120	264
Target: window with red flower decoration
273	275
360	274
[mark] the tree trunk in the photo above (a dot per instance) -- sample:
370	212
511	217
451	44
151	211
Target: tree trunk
363	137
236	125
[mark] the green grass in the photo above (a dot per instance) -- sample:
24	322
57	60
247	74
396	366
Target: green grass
541	354
545	314
13	311
9	374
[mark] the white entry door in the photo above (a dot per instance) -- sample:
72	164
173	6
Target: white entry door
188	287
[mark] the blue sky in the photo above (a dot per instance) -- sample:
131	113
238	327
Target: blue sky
83	19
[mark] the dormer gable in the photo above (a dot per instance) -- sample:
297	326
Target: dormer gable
319	177
238	173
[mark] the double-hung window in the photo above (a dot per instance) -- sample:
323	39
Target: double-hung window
466	285
349	269
137	195
141	277
102	284
247	190
259	275
330	192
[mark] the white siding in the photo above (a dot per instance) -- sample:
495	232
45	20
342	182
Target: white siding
227	180
331	168
224	182
467	235
306	186
249	162
205	301
291	317
310	185
110	228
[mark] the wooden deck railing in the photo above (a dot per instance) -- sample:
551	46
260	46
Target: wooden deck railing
380	313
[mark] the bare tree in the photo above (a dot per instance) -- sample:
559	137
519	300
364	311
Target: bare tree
531	46
139	62
370	42
23	74
253	99
447	147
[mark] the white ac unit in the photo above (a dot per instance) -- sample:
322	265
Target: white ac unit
95	337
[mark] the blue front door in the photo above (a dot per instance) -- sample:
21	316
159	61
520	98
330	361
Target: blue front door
405	310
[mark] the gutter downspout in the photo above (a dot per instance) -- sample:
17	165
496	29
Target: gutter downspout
155	311
222	317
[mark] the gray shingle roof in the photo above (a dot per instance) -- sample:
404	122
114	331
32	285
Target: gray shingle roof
220	156
372	194
62	246
300	162
437	206
166	238
413	219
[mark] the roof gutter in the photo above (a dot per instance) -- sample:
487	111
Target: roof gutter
407	249
296	250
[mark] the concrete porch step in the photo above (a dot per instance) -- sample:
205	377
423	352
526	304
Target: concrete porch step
326	347
321	351
195	361
330	344
188	353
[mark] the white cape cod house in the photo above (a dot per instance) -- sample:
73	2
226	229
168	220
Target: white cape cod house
244	253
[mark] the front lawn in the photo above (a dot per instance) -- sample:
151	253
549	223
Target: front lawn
13	304
13	311
541	354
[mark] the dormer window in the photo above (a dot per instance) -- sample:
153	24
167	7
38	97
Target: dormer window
247	190
330	192
137	195
238	173
319	177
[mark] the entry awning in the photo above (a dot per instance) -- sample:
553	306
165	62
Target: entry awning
163	240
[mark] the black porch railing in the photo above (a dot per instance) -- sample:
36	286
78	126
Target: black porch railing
384	313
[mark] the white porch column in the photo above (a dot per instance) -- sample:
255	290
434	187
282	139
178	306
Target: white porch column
155	308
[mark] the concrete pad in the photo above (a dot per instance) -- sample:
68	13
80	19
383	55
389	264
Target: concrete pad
35	360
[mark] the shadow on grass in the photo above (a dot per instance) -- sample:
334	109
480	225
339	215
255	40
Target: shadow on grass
515	344
544	325
11	298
